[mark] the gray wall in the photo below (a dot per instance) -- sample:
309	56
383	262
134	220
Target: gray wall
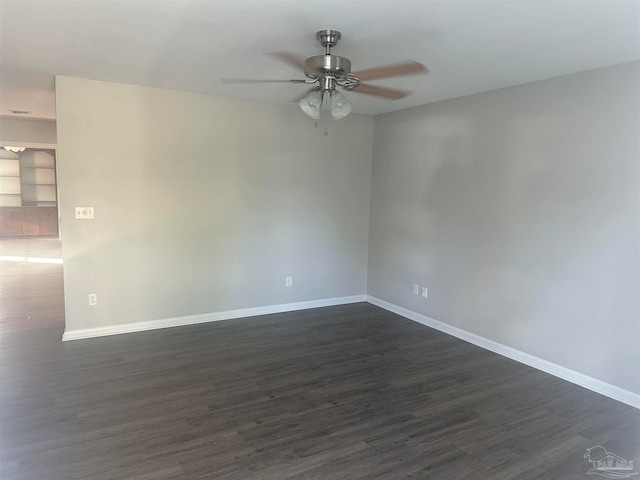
27	130
204	204
519	210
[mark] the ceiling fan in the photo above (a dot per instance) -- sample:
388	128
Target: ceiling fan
327	72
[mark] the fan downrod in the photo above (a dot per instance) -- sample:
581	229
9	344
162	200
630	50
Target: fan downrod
327	68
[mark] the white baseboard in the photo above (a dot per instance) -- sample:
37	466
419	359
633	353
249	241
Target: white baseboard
617	393
206	317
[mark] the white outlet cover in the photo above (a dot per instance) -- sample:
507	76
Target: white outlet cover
84	213
425	292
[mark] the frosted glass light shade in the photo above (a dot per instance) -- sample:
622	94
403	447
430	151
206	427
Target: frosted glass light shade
311	104
14	149
340	106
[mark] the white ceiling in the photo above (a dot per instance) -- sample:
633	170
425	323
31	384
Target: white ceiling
468	46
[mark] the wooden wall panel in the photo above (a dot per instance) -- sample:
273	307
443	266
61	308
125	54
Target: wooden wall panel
28	221
11	222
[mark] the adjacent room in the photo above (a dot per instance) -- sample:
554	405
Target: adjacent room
319	240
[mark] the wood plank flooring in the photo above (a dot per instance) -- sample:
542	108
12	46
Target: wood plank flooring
348	392
31	294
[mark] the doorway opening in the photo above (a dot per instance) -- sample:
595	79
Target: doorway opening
31	279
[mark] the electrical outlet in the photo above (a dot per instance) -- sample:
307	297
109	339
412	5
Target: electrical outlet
416	289
93	299
84	213
288	281
425	292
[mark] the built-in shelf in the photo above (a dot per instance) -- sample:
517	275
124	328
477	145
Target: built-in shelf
28	193
38	178
10	192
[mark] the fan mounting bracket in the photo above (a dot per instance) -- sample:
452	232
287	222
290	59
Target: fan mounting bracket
328	38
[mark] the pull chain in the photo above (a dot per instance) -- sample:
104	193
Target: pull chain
326	114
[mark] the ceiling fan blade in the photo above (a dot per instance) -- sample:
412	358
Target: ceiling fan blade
380	91
399	69
290	59
257	80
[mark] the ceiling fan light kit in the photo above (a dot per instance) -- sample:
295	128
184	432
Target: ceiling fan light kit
340	106
328	72
312	104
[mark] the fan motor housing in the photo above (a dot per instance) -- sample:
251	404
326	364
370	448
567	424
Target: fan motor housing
321	66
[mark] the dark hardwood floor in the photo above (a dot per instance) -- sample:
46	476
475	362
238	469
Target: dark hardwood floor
348	392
